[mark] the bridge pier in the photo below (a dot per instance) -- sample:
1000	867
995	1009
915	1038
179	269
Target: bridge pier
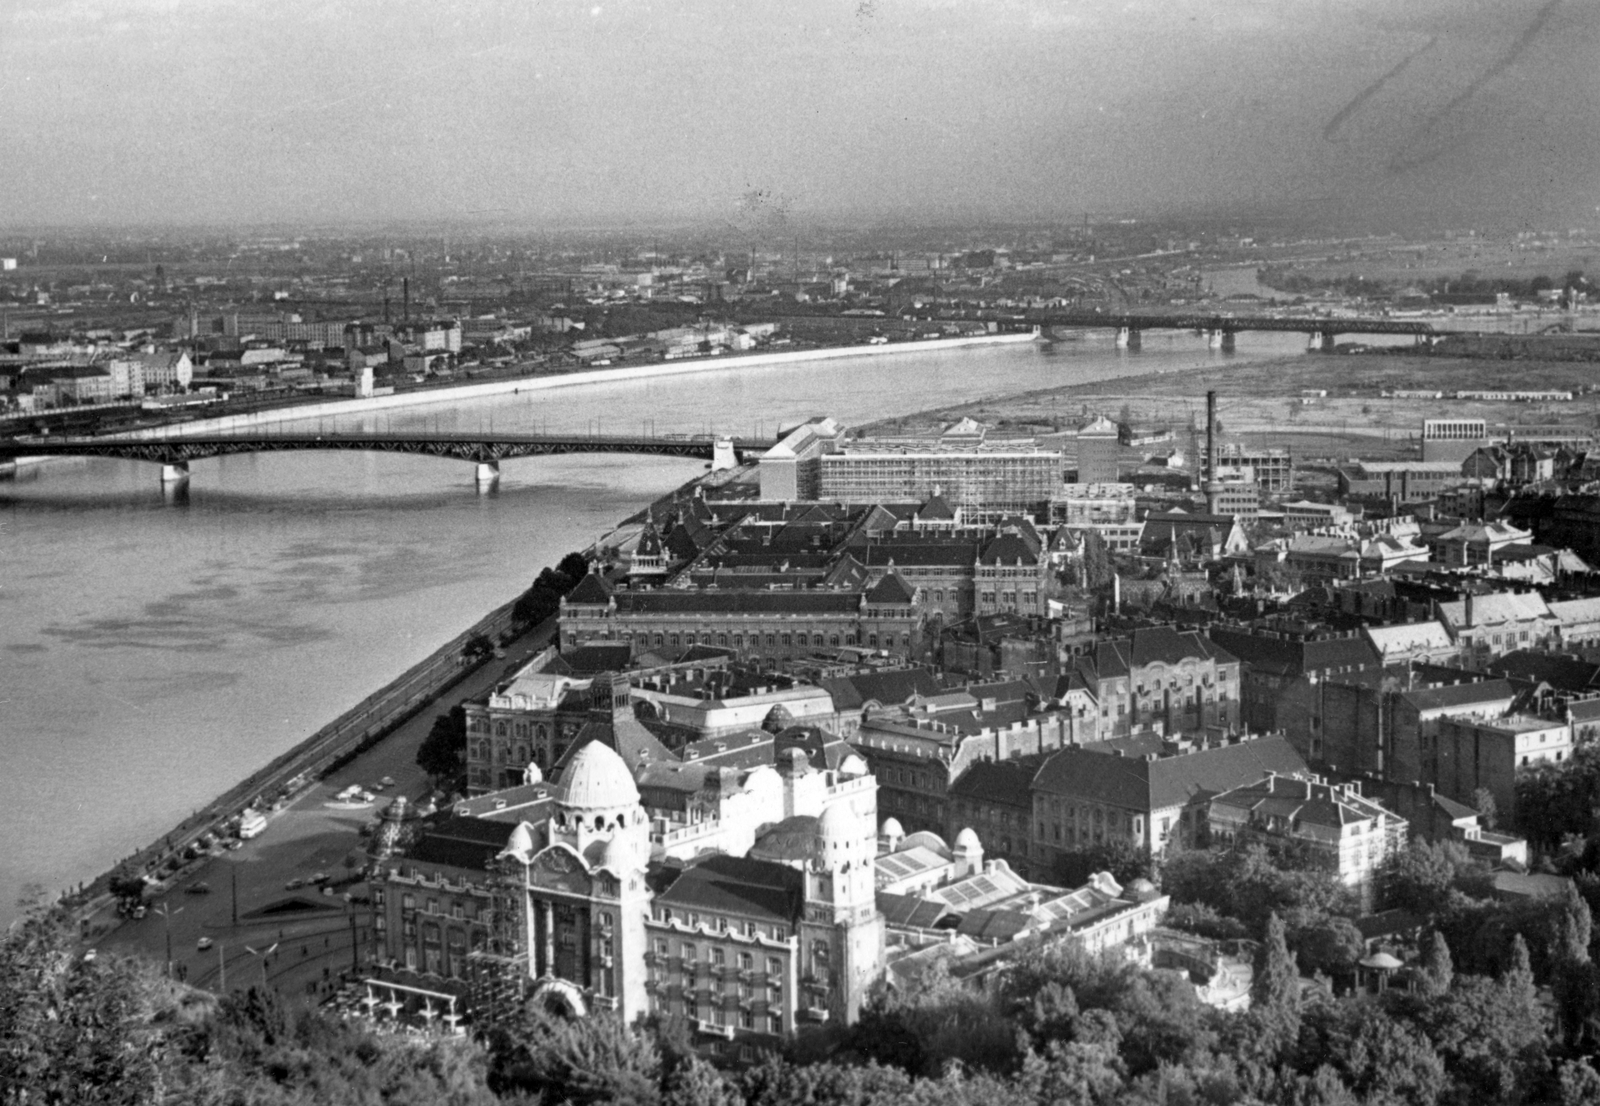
1216	338
1128	338
1321	342
175	473
1228	341
488	473
723	455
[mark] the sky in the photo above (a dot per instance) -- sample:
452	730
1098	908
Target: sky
557	112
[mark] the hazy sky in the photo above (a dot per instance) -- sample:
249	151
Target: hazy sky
200	110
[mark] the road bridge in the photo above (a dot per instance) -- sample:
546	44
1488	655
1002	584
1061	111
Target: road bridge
1219	329
174	453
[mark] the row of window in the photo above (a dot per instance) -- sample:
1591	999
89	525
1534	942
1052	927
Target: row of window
720	924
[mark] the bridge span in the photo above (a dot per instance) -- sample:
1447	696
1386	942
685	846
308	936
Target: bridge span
1219	329
175	453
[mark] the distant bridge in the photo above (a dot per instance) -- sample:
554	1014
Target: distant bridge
1220	329
486	451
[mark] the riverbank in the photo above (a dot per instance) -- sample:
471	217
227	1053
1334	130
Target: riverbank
520	385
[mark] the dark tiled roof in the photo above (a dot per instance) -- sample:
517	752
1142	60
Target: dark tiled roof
1560	672
738	885
1140	783
1008	549
1456	695
593	588
774	602
899	685
960	553
1005	782
462	842
891	591
1290	657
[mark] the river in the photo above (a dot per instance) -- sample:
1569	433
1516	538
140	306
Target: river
154	650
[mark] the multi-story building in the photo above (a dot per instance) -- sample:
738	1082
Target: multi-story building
1348	834
791	470
1013	577
1106	509
1405	481
1373	722
986	481
751	950
1271	470
1178	679
1278	665
1452	440
1490	626
1471	753
1131	791
763	626
1099	452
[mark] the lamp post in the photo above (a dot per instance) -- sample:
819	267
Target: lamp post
263	954
166	913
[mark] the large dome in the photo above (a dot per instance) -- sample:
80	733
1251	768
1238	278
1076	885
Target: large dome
596	779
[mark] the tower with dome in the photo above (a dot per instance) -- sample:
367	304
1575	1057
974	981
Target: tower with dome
745	950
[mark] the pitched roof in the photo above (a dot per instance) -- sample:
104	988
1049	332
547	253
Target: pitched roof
892	686
1563	673
1008	549
891	591
730	601
1292	657
1145	783
1460	695
738	885
1005	782
593	588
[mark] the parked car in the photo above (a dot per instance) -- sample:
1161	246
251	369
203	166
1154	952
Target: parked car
201	888
388	781
294	884
203	944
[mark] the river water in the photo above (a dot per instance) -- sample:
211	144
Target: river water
154	651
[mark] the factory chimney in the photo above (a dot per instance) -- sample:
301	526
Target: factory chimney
1213	487
405	294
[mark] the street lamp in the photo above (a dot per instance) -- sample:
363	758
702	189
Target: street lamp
263	954
166	913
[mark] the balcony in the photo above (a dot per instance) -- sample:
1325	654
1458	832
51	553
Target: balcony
711	1029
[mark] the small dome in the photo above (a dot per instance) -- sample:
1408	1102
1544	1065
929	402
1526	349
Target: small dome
1382	961
617	858
531	775
891	828
834	825
1142	889
520	845
596	779
852	766
967	841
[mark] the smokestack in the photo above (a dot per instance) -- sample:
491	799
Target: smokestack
1213	488
405	291
386	307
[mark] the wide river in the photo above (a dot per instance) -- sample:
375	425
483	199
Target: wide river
153	652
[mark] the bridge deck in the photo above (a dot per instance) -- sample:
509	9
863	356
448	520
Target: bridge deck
477	448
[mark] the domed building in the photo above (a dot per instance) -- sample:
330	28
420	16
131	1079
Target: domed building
601	926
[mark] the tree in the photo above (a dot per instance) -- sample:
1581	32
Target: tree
586	1061
1275	990
443	753
1437	969
1483	800
1419	877
477	647
77	1031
